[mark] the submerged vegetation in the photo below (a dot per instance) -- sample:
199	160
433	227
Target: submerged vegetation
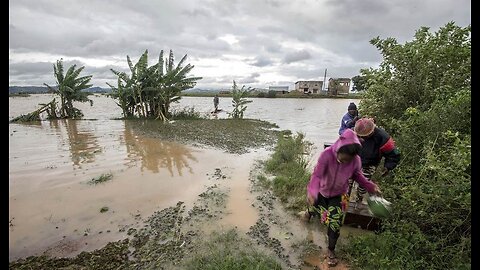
231	135
101	179
69	88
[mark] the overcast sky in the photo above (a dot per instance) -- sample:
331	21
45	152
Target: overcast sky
257	43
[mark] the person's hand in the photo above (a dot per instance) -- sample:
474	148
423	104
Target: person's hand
377	190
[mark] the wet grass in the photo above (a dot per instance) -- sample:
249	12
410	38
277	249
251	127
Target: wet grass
113	256
227	250
101	179
288	164
188	113
231	135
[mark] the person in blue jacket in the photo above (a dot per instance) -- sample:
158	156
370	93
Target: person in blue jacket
349	119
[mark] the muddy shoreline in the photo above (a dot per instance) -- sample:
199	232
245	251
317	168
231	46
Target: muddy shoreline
172	237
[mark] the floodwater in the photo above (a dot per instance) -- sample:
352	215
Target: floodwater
52	207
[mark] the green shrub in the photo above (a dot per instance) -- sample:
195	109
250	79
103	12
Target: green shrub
186	113
421	95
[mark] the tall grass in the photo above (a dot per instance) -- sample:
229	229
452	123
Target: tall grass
288	163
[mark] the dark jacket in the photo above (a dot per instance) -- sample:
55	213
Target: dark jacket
379	145
347	122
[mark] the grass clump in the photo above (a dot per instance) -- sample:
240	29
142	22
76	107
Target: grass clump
186	113
227	250
288	163
101	179
103	209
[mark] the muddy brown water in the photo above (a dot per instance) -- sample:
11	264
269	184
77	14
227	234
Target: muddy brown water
53	209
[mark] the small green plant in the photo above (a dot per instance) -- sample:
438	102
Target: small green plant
103	209
263	181
239	101
101	179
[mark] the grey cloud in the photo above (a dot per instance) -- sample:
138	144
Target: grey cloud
198	12
42	72
30	68
264	29
261	61
297	56
273	47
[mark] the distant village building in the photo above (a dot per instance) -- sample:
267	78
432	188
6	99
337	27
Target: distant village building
309	87
279	89
338	86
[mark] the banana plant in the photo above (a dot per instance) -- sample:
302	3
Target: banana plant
239	101
150	90
69	88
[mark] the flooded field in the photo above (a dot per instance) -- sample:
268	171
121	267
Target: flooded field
53	207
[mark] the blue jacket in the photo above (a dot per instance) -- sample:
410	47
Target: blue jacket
347	122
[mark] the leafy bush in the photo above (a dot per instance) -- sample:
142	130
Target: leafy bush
186	113
421	94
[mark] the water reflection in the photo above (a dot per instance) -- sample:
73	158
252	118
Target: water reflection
83	145
155	154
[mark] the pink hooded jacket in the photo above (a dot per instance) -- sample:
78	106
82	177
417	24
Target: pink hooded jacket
330	178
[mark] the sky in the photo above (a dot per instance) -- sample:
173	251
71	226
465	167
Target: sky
258	43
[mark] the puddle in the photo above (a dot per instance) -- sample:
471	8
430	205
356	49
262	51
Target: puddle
240	211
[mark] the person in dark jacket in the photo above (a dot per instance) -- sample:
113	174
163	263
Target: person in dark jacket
376	143
349	119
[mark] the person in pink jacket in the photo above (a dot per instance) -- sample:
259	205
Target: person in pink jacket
328	187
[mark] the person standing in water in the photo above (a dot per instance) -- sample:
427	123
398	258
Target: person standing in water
328	186
215	103
349	119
